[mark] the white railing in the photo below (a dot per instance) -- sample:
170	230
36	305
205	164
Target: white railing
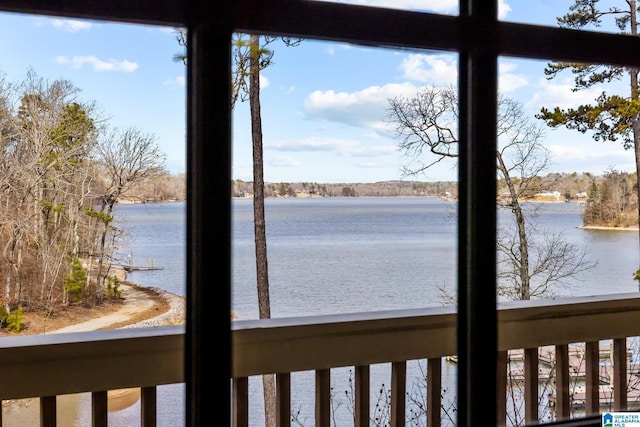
46	366
527	329
532	332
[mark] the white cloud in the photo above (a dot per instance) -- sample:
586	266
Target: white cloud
561	153
341	147
332	49
168	30
366	107
503	9
264	82
507	67
282	161
592	156
508	80
313	144
553	95
374	151
71	25
98	64
432	69
179	81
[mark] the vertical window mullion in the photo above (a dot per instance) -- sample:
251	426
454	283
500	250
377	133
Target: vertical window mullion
208	196
477	317
463	240
479	331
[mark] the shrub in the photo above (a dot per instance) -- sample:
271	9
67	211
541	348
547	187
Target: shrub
3	316
74	281
14	320
113	287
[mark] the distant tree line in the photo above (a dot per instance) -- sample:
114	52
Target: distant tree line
610	199
571	186
162	187
376	189
63	170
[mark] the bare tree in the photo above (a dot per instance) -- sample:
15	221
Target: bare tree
521	159
127	156
527	267
427	125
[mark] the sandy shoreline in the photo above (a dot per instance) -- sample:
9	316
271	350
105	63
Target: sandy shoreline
26	411
605	228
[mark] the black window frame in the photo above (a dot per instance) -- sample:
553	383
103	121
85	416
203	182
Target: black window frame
479	39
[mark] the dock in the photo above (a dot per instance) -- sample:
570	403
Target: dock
577	373
130	268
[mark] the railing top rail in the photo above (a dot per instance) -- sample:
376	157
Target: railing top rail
53	338
55	364
329	341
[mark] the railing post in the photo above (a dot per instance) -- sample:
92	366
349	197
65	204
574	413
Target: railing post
531	377
283	399
563	406
434	396
620	374
241	402
323	398
398	392
148	406
48	415
361	410
592	377
99	409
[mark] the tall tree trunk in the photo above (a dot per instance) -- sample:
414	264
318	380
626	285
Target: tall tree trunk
99	294
523	245
525	286
264	305
11	260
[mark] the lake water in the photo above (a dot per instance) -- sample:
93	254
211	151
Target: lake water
339	255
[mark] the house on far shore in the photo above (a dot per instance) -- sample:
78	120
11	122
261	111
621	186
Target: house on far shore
550	196
581	195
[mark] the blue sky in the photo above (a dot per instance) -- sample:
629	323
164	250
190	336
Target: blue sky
323	103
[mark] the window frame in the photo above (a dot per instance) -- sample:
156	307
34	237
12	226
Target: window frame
479	39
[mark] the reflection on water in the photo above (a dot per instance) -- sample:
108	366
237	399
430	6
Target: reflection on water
609	236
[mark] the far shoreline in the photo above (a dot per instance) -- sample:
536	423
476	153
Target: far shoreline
609	228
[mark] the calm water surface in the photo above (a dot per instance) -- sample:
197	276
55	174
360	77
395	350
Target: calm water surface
339	255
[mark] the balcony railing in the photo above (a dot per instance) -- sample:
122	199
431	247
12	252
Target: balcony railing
543	340
559	342
46	366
